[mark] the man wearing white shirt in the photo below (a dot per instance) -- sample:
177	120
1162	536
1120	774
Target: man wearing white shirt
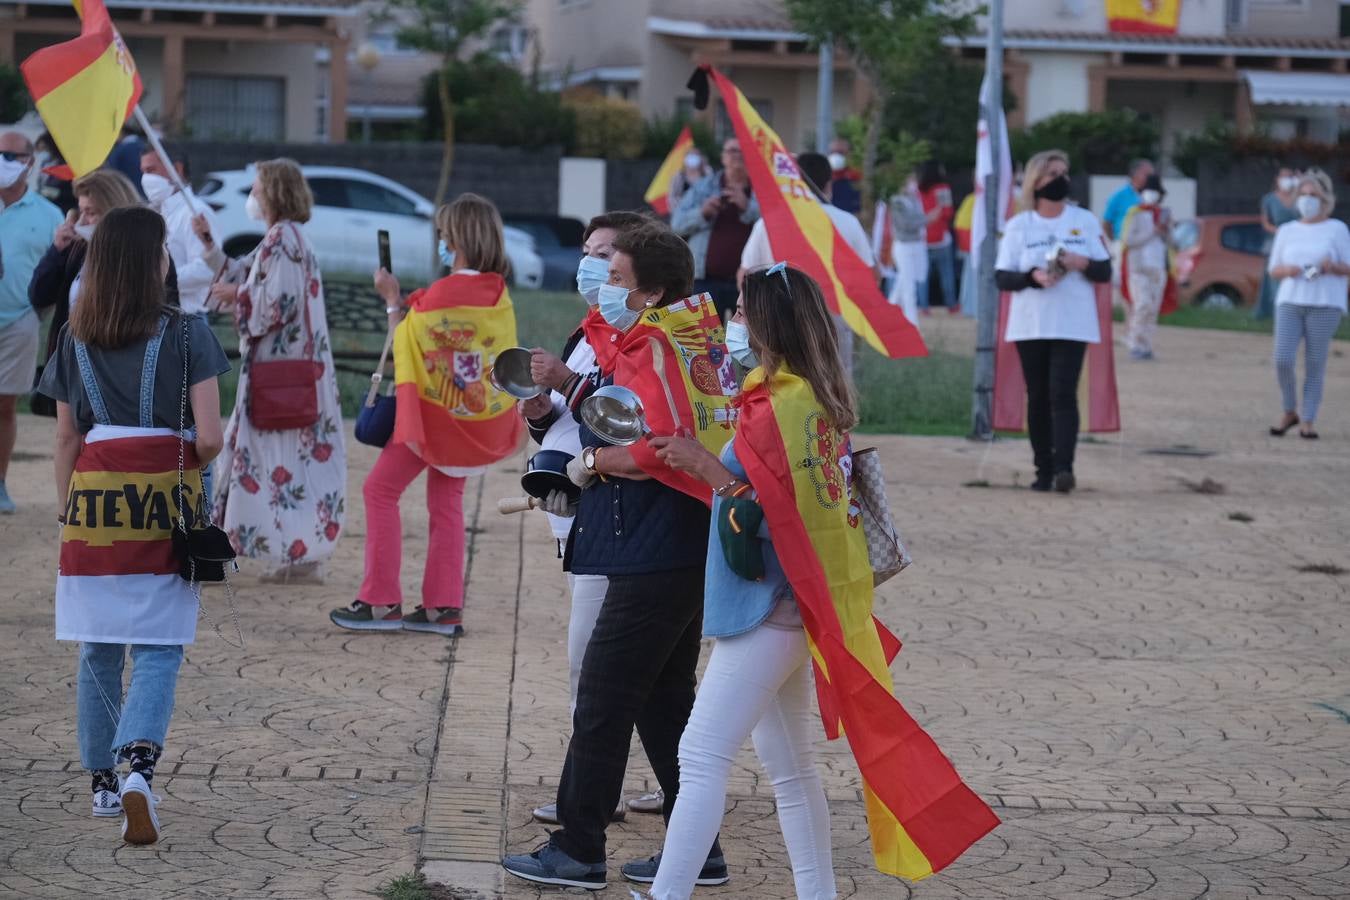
178	207
758	253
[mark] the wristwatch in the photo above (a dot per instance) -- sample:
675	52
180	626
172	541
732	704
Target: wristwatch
588	459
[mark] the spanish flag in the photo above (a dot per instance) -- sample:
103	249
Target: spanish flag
658	193
448	410
1096	385
675	359
85	88
1143	16
920	814
801	233
1169	300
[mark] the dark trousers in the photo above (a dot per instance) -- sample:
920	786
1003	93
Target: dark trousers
638	671
1051	370
724	294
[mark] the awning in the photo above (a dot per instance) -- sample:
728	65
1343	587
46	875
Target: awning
1298	88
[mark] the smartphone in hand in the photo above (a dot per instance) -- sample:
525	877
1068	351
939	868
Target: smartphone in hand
386	260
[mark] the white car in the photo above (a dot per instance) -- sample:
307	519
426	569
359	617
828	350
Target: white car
350	207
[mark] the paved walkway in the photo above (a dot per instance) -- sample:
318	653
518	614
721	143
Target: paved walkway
1151	693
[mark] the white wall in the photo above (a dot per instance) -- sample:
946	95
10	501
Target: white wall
581	188
1057	82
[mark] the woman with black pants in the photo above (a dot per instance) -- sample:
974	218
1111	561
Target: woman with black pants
1050	256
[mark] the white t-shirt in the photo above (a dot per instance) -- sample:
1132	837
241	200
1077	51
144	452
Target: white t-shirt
1067	311
757	253
1302	244
565	432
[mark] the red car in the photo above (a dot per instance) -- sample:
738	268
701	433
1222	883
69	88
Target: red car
1220	260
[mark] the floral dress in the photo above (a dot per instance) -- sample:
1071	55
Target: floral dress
281	495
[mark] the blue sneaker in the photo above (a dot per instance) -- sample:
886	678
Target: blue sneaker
643	871
551	865
7	506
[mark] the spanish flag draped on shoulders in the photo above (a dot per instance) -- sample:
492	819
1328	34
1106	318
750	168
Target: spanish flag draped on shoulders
920	814
449	411
675	359
1169	298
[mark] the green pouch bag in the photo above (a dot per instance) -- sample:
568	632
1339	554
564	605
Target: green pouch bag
738	521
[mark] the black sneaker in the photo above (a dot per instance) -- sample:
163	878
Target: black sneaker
551	865
361	616
643	871
1065	482
1042	484
442	620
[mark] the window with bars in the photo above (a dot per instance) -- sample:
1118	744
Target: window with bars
236	107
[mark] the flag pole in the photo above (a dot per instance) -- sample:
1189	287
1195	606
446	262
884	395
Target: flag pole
986	339
153	138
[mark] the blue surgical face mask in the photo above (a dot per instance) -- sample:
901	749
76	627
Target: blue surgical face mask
738	345
613	302
446	254
592	272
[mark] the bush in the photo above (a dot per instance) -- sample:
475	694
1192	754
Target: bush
13	95
606	127
495	104
1219	144
1097	142
660	132
898	154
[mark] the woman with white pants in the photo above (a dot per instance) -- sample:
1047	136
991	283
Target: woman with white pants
1311	257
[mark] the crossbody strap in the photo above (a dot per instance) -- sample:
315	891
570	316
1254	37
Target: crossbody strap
377	376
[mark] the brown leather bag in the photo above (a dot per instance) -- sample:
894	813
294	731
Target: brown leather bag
283	394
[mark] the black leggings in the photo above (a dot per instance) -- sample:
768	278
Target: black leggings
1051	369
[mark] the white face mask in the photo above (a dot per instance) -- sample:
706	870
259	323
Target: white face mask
86	232
1308	205
693	161
838	161
1150	197
11	170
157	188
1289	182
253	209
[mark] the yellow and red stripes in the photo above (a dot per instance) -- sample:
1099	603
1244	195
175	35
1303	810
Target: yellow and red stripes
1143	16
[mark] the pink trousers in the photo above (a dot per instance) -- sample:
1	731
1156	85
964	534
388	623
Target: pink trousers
443	580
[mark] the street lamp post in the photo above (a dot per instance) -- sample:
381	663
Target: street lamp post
367	57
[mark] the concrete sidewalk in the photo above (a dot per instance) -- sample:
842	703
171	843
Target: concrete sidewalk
1151	693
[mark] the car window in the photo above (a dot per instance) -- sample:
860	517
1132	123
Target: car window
329	192
209	187
373	198
542	234
1246	238
1185	235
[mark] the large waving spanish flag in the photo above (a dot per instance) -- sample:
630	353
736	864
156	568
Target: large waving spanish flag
801	233
449	411
920	814
675	359
85	88
1143	16
658	192
1096	384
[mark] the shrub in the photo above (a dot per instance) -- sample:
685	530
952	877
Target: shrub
495	104
1097	142
13	95
1220	145
660	132
606	126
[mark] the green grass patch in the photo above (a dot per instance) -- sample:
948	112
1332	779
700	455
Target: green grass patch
405	887
1226	320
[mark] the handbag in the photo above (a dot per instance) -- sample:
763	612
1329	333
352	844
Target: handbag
283	394
203	550
885	548
738	522
375	421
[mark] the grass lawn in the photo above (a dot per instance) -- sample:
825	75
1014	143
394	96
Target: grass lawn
1227	320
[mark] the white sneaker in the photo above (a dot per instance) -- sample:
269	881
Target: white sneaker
107	804
141	825
648	803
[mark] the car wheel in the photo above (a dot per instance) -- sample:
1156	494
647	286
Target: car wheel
241	245
1219	296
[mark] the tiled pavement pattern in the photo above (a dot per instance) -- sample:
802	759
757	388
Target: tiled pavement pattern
1150	694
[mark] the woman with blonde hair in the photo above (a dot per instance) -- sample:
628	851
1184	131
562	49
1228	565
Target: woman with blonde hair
1051	256
282	479
1311	257
451	421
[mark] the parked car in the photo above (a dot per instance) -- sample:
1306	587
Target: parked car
350	206
558	240
1219	260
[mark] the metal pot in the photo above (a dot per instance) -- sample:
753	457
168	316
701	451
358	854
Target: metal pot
616	416
547	471
511	373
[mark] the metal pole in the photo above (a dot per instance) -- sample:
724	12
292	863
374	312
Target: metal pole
825	97
986	338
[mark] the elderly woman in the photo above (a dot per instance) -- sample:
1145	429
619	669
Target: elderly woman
282	477
56	280
1311	257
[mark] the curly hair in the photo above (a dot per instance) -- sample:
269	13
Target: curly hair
283	191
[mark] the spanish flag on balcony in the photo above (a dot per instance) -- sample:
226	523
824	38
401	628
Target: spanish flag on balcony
85	88
920	814
1096	384
658	192
802	234
449	411
1143	16
675	359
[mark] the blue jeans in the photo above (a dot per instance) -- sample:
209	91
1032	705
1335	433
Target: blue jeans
944	259
106	722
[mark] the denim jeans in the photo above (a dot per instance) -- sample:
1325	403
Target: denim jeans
105	720
944	260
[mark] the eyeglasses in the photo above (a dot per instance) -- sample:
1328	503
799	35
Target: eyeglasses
15	156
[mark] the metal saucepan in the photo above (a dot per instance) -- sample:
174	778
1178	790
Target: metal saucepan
511	373
547	471
615	414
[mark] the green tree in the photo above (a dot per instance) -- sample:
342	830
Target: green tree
897	45
496	104
13	95
1097	142
446	28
